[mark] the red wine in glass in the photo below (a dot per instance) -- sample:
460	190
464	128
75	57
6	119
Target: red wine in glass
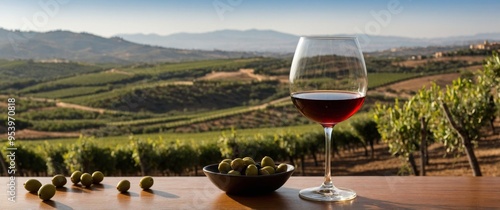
328	107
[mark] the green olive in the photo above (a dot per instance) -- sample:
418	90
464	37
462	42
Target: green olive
46	192
281	168
123	186
97	177
267	161
269	169
252	170
75	177
32	185
86	179
263	172
59	180
224	167
146	182
248	161
233	172
237	164
227	160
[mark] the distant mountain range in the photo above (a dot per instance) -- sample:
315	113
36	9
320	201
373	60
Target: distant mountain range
274	41
85	47
232	40
130	48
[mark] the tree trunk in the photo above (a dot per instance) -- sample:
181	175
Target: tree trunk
411	159
423	145
315	159
372	148
466	141
366	149
291	161
471	156
303	165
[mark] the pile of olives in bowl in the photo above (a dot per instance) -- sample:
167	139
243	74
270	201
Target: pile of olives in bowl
245	176
247	166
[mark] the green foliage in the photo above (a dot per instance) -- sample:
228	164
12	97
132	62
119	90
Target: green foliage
28	161
96	79
178	158
65	125
271	66
87	156
54	157
380	79
366	129
125	163
395	126
19	123
490	78
208	153
233	146
70	92
146	154
393	65
59	114
23	104
184	69
43	71
455	115
201	96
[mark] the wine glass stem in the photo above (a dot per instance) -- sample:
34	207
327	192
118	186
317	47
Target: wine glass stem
328	158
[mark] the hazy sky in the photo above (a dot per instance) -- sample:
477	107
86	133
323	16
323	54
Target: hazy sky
411	18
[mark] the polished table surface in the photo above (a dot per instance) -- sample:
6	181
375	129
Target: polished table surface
374	192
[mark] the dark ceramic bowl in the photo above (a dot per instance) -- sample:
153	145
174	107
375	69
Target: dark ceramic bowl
233	184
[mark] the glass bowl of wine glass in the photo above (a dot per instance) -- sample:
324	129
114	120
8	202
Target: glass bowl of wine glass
328	84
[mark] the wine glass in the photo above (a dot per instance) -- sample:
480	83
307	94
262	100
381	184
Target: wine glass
328	83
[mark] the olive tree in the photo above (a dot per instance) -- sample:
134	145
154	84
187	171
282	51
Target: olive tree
399	128
467	107
406	128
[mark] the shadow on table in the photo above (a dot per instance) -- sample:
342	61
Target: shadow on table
101	186
150	192
288	198
276	199
127	194
54	204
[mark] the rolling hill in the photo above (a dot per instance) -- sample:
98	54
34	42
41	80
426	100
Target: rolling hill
85	47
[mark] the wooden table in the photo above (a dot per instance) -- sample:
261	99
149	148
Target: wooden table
391	192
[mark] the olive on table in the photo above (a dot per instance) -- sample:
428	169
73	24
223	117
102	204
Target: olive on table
97	177
123	186
146	182
46	192
59	180
32	185
75	177
86	179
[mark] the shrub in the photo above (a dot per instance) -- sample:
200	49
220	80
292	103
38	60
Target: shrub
85	155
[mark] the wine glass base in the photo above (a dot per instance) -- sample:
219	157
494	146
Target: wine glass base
327	194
